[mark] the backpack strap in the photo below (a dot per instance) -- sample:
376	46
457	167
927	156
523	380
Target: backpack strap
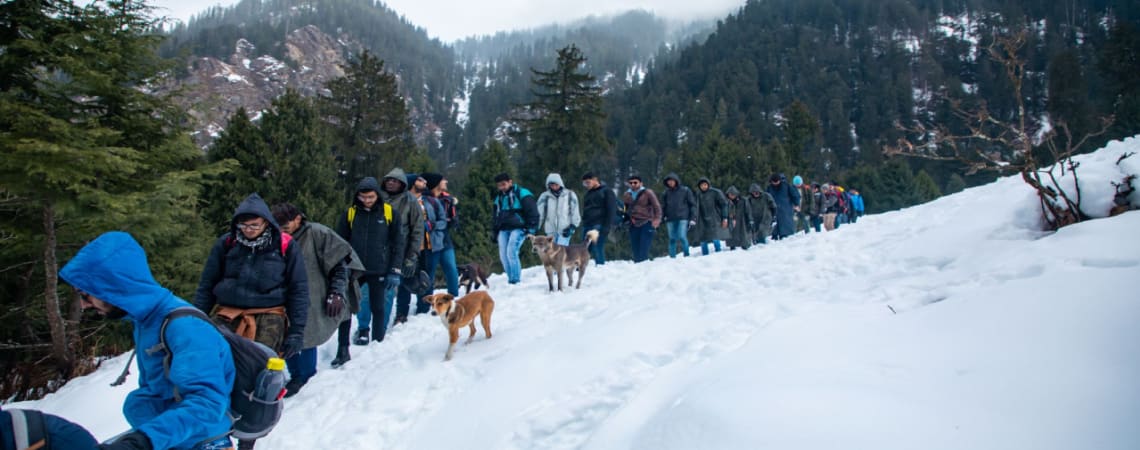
352	214
28	429
161	345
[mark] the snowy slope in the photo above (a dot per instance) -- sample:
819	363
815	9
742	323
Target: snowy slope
950	325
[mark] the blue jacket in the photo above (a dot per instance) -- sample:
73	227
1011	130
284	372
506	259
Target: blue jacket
857	202
113	268
516	209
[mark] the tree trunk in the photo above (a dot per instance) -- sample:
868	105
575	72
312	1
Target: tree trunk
61	352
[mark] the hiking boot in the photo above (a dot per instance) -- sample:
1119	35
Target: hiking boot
401	319
293	387
342	357
361	337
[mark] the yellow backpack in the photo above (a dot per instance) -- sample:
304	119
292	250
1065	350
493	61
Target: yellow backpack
352	214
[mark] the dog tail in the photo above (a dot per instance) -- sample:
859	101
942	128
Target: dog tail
592	237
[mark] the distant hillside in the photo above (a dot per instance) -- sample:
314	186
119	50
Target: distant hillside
426	68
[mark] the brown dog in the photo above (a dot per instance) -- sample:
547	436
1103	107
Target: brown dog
472	274
557	257
457	314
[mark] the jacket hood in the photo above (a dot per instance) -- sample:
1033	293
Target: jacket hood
755	188
704	180
368	184
256	206
672	176
556	179
732	190
114	268
398	174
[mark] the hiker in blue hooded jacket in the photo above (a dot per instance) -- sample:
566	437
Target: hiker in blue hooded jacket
111	275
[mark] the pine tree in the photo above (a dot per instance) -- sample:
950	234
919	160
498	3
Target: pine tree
369	120
565	127
301	169
801	136
955	184
84	149
473	239
241	146
925	189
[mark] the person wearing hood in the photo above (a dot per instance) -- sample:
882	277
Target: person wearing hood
515	215
397	191
712	215
378	237
255	280
558	213
679	211
599	211
763	208
332	268
433	231
787	203
444	254
856	205
644	212
741	220
809	206
110	275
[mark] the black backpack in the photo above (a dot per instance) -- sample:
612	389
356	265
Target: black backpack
252	417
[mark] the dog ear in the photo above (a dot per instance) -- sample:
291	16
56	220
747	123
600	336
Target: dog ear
429	299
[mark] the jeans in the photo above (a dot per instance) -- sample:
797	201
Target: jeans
705	246
678	233
510	241
445	260
640	238
598	250
378	314
803	221
302	366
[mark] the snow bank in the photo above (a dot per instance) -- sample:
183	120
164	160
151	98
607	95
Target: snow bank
1096	174
955	324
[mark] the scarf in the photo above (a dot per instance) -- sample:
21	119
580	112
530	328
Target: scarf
254	244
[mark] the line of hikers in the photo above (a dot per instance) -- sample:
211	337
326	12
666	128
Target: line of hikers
739	219
288	283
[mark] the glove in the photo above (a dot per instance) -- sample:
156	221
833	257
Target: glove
135	440
334	304
569	231
692	223
392	281
292	346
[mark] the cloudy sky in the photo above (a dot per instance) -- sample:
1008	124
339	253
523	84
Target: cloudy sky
454	19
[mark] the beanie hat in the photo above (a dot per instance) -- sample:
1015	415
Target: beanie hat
797	180
433	179
411	178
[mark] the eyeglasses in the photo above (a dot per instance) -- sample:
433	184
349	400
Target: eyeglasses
251	226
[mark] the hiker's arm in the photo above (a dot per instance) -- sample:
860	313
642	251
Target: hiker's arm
297	301
211	274
415	238
397	242
530	213
203	371
575	210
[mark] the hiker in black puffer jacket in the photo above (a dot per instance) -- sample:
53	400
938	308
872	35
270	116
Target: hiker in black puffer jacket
253	271
376	234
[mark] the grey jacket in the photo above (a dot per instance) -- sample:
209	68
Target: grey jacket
404	207
558	212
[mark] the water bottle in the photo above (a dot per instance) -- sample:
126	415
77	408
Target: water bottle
271	382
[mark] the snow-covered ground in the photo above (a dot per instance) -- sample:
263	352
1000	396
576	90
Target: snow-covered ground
951	325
